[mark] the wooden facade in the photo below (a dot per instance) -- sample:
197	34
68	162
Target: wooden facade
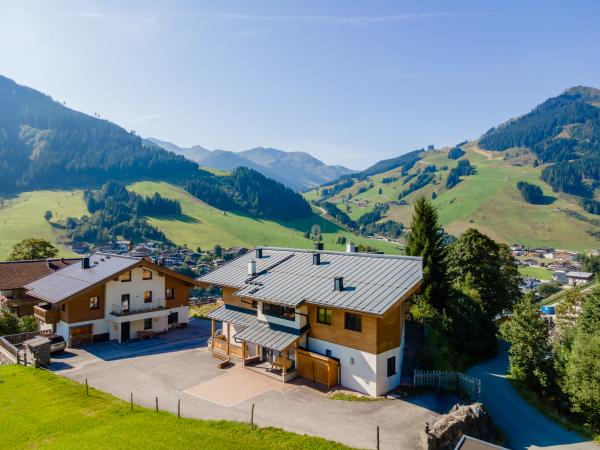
317	368
180	289
78	309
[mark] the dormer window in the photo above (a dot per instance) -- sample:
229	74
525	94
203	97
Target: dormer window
146	274
126	277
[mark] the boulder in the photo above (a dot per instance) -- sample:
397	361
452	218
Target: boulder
472	420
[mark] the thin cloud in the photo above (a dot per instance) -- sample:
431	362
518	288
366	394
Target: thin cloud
93	15
157	116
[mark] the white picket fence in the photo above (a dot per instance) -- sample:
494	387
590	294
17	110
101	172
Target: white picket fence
452	381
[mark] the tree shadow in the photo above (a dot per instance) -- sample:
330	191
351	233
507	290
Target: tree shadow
547	200
177	218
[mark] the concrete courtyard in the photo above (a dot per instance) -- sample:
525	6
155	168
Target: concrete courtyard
179	366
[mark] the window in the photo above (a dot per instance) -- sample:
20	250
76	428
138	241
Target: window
173	318
324	315
283	312
147	296
352	322
391	366
169	293
126	277
94	302
328	353
146	275
147	324
125	302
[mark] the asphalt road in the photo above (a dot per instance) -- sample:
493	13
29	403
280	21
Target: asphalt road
523	425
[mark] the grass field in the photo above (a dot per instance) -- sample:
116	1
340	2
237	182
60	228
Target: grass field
488	201
22	217
201	225
40	409
541	273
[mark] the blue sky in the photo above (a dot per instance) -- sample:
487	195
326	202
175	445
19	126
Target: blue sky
350	82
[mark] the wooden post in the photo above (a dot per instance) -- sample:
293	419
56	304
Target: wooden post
25	356
252	417
377	437
283	363
131	400
156	404
87	389
212	333
228	336
179	408
243	353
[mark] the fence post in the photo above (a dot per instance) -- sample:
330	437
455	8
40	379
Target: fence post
179	408
25	356
156	404
87	389
377	437
252	417
131	400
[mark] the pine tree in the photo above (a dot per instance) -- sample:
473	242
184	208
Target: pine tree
426	239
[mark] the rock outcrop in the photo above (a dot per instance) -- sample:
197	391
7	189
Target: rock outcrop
472	420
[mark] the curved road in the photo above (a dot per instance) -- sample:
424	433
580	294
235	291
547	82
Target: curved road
523	425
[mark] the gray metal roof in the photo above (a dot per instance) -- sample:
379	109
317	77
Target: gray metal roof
372	283
268	335
67	282
233	314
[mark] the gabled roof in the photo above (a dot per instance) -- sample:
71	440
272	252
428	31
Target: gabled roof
269	335
72	280
372	283
16	274
233	314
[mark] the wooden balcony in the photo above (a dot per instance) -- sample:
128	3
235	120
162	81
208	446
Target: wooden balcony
49	316
220	345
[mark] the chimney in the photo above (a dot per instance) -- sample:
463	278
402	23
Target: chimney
316	259
252	268
338	284
259	253
350	248
319	246
85	262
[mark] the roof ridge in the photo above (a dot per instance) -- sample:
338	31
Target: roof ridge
19	261
332	252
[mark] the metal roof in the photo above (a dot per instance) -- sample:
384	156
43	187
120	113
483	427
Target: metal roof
233	314
269	335
67	282
580	274
372	282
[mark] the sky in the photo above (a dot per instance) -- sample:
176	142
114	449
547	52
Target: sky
349	82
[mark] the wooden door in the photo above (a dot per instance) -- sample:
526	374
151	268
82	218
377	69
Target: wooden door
125	330
79	336
305	366
321	372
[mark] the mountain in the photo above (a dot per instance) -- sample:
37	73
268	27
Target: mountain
44	144
555	147
298	170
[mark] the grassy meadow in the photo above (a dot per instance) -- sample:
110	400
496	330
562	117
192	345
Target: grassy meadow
43	410
541	273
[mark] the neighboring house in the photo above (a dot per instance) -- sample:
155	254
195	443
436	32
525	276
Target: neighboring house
111	297
560	276
579	278
331	317
14	275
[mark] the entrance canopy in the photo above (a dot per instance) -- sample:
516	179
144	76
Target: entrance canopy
268	335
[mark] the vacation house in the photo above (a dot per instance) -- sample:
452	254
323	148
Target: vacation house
112	297
14	275
331	317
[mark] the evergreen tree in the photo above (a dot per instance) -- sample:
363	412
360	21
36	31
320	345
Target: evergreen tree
426	239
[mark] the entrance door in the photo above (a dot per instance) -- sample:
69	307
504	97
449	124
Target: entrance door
125	331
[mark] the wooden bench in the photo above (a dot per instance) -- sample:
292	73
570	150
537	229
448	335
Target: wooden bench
144	334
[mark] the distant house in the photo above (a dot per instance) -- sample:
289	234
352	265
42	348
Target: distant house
331	317
14	275
541	252
112	297
560	276
579	278
564	255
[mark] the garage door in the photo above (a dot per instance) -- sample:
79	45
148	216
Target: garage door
80	335
317	368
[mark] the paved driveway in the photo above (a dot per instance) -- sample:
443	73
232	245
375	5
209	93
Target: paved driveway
524	426
182	368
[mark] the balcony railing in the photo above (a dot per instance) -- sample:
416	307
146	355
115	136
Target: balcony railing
46	315
155	305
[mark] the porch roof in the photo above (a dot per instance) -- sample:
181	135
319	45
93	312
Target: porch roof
233	314
269	335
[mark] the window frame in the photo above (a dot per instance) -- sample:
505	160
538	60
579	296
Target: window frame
147	298
94	303
391	358
125	277
326	311
279	311
128	302
170	296
145	323
146	272
351	324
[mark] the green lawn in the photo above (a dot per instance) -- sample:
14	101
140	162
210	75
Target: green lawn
22	217
541	273
201	225
40	409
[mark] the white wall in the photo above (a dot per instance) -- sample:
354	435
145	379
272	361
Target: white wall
357	368
385	383
184	313
135	288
